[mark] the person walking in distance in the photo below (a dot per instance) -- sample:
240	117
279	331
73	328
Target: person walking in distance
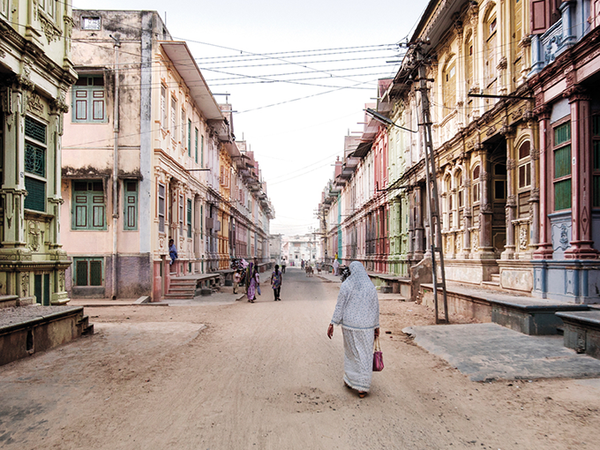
236	280
357	311
283	265
253	282
172	251
276	282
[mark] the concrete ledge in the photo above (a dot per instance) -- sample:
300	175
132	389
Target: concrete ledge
33	332
582	331
8	301
142	299
396	284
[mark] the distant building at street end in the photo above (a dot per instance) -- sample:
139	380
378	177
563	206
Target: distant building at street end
299	248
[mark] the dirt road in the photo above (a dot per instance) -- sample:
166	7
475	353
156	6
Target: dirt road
265	376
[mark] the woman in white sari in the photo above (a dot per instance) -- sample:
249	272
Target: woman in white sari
357	311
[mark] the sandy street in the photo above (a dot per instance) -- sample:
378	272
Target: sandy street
265	376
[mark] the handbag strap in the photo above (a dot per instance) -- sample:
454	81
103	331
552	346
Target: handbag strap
377	347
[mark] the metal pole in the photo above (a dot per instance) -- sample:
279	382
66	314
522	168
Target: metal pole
115	174
435	229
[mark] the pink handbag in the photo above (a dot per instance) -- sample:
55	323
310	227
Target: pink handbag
377	357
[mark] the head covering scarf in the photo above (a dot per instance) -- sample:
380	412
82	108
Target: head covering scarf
357	306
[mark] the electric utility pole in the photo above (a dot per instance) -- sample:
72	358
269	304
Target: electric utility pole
435	227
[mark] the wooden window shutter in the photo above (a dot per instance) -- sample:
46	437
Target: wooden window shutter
595	13
540	16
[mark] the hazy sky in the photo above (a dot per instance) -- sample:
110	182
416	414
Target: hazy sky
295	107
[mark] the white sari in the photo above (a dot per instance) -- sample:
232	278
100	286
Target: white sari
357	311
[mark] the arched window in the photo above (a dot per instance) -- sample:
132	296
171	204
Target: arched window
469	72
517	20
459	188
449	86
476	186
490	30
525	164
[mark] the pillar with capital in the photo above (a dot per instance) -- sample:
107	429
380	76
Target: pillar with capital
419	229
13	192
581	176
486	249
511	198
534	199
544	250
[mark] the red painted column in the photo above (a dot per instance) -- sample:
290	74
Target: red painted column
544	250
581	178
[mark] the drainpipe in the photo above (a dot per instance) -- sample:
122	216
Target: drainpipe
115	174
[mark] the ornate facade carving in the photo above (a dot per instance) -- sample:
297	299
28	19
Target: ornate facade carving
523	237
25	283
52	32
35	104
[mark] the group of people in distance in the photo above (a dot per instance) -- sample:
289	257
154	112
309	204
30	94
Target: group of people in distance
250	277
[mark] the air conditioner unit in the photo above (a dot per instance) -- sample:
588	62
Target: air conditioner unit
209	222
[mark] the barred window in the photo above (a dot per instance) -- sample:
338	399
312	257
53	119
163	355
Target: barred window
88	271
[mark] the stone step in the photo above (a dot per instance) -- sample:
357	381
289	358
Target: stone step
177	296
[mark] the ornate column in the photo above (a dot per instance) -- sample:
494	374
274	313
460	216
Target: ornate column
581	176
57	108
542	111
534	199
486	249
511	198
14	106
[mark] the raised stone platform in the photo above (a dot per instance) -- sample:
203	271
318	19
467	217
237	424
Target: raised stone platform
29	329
582	331
518	312
389	284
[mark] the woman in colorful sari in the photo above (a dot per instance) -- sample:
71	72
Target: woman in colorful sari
357	311
253	282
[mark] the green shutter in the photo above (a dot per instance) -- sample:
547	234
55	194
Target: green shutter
189	218
596	125
46	301
562	195
36	194
81	273
35	130
37	288
131	205
89	208
562	162
189	138
562	133
95	273
196	144
88	271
